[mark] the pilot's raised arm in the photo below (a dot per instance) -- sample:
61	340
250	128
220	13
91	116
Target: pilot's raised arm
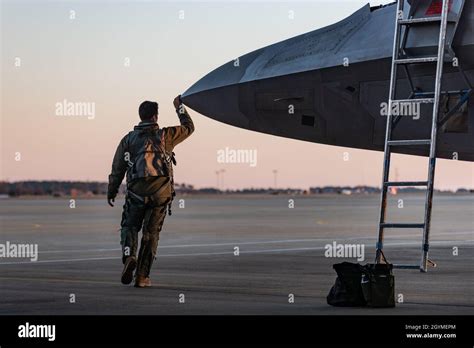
177	134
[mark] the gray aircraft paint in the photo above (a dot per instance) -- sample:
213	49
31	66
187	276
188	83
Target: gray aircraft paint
336	104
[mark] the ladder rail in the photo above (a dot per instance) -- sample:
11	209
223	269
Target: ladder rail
388	131
434	134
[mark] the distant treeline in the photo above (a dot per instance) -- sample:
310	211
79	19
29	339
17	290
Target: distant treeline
93	188
52	188
63	188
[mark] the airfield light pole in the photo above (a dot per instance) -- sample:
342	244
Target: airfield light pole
217	180
275	174
222	171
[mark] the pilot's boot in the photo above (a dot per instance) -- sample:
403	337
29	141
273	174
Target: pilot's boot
142	281
128	268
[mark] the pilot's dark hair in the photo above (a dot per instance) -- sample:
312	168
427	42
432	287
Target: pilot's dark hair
147	110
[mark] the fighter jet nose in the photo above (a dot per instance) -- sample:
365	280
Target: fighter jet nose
216	95
220	104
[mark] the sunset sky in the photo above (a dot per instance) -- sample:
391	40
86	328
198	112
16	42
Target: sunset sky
115	54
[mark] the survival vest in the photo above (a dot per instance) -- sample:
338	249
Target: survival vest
147	156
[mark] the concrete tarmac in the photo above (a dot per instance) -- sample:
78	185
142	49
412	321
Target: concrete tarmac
281	251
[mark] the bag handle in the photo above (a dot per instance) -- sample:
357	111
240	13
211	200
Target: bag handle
383	257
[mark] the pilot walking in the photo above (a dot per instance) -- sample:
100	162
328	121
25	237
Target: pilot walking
146	156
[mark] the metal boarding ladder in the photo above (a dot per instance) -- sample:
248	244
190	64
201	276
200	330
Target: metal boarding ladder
434	99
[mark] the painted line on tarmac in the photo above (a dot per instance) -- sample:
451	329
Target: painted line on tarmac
230	252
256	242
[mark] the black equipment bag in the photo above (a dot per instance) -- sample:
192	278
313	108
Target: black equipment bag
378	284
347	291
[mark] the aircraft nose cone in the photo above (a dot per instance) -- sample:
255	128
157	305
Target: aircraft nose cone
216	95
220	104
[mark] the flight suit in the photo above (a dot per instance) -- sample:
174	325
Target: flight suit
146	156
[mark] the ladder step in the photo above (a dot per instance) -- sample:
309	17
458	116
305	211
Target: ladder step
409	142
416	60
419	100
419	20
458	92
401	225
406	183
